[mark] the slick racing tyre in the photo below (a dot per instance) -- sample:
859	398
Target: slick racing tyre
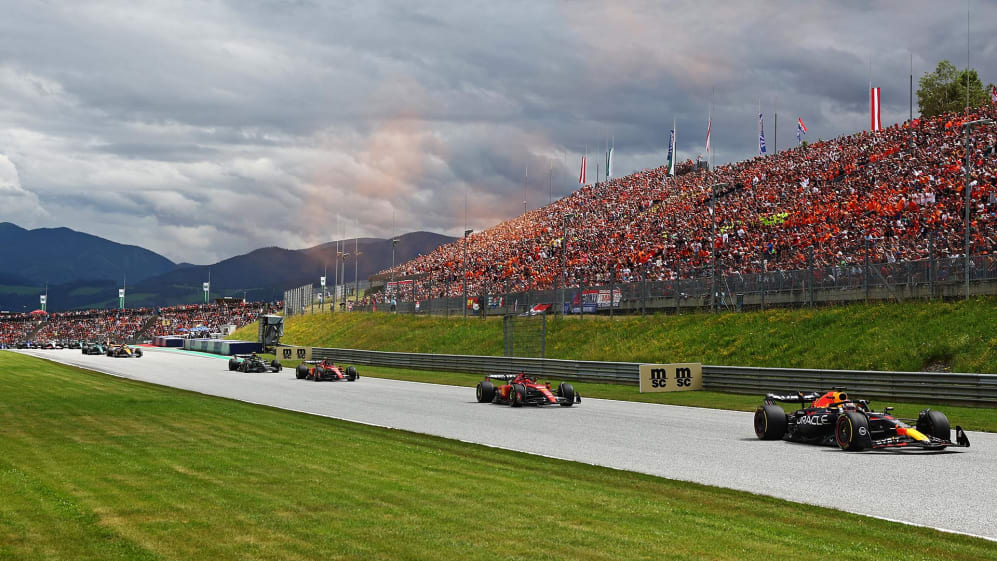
852	432
567	391
301	371
318	373
351	374
770	422
275	364
138	353
485	392
934	423
517	395
233	364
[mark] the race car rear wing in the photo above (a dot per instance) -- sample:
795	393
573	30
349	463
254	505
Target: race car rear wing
798	397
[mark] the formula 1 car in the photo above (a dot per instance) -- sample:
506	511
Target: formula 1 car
833	419
93	349
319	370
123	351
253	363
524	389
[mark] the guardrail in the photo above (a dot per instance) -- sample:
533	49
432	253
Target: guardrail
966	389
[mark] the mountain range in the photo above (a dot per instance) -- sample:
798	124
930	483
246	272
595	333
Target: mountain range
84	271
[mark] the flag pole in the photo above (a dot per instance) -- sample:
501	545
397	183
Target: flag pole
775	139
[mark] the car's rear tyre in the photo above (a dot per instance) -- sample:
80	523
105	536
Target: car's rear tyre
852	432
244	366
351	374
318	373
567	391
301	371
770	422
233	364
934	423
517	395
485	392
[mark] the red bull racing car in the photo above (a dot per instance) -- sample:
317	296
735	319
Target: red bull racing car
834	419
524	389
319	370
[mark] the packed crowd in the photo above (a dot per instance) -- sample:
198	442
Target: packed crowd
200	318
15	327
93	325
126	325
885	192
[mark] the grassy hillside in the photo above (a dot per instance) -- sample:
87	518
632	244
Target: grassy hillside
912	336
96	467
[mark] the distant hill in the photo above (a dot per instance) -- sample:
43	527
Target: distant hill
85	271
266	272
60	255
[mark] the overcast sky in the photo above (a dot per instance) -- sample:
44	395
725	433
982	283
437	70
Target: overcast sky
202	130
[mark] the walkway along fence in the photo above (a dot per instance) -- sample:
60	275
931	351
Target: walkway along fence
927	279
964	389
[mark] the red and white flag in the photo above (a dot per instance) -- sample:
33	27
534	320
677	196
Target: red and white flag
993	95
874	109
581	174
709	125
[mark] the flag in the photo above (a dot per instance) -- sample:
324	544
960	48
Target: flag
671	149
709	124
874	109
761	135
581	174
609	163
993	95
801	130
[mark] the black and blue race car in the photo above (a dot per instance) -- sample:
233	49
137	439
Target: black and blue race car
832	418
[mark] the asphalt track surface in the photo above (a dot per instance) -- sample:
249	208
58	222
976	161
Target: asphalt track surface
951	490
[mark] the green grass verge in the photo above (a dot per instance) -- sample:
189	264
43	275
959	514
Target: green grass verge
908	337
96	467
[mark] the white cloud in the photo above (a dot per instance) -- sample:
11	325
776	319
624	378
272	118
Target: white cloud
16	204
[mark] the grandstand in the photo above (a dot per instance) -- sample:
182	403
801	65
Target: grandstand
885	195
130	324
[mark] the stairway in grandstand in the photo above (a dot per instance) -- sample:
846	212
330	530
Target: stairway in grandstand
144	332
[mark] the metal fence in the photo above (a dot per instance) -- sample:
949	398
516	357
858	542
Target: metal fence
298	300
965	389
926	279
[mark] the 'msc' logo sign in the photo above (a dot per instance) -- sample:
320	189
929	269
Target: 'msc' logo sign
671	377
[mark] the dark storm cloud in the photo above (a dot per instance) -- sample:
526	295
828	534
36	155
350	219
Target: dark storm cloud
206	130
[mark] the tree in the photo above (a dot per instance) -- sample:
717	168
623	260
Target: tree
944	90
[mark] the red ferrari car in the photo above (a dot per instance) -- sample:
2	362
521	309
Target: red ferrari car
319	370
524	389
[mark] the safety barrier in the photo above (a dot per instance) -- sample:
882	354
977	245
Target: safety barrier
965	389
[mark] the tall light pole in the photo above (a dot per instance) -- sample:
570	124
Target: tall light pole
394	288
969	126
464	304
346	255
564	252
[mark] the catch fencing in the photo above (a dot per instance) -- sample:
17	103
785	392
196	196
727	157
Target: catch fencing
964	389
639	291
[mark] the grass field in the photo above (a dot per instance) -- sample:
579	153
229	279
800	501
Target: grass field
96	467
909	337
